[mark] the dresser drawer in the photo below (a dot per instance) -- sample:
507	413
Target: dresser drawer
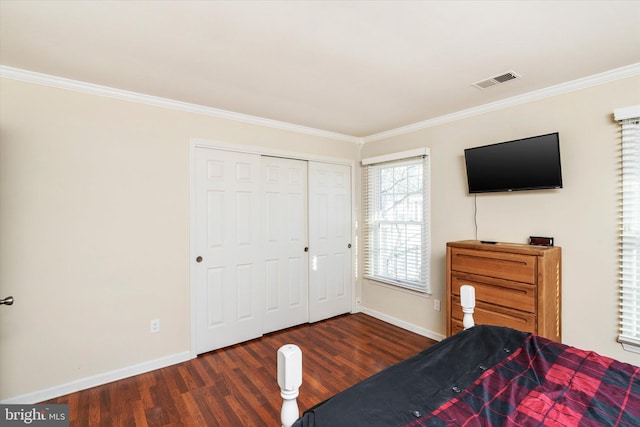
509	266
497	291
486	314
456	326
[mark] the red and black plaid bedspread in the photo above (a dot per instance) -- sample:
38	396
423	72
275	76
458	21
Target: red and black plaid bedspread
490	376
544	383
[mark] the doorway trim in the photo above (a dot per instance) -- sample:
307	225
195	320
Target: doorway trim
263	151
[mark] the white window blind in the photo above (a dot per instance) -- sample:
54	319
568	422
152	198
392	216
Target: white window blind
396	213
629	238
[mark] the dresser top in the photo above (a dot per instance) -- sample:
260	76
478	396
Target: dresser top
504	247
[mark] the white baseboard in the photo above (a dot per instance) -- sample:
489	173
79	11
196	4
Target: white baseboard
96	380
118	374
402	324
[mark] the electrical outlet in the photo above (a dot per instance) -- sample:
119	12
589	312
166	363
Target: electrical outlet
155	326
436	304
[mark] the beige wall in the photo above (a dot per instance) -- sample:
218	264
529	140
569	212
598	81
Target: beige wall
581	216
94	226
94	222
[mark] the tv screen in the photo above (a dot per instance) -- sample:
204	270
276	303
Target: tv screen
524	164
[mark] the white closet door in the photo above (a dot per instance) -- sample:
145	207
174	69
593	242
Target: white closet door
286	271
228	246
330	278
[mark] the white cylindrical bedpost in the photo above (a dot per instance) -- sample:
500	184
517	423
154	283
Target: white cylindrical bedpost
468	303
289	380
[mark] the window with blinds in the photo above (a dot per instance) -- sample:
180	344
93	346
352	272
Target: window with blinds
629	238
396	212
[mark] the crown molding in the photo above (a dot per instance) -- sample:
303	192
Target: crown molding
90	88
94	89
594	80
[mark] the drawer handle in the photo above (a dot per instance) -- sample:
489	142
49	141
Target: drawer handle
484	258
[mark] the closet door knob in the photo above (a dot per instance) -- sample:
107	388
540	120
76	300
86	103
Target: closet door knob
306	249
6	301
199	259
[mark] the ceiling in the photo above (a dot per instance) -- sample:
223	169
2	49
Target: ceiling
355	68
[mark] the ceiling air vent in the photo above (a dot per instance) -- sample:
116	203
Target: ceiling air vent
492	81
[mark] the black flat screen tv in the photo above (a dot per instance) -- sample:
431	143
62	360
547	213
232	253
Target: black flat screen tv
523	164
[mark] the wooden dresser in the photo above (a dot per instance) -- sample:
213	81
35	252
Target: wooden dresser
516	285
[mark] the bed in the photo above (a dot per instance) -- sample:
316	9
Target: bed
483	375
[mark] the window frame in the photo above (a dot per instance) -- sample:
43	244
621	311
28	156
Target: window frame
372	221
629	230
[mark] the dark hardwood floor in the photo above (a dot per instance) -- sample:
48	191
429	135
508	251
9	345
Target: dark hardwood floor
237	385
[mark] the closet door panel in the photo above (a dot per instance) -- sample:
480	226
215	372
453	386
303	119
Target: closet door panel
330	276
285	239
228	268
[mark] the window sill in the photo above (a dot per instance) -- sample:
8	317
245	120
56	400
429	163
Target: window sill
627	345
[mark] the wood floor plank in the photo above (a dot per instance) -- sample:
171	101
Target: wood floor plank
139	417
237	385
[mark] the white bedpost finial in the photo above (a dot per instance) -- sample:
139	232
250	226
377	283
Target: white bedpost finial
468	302
289	380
